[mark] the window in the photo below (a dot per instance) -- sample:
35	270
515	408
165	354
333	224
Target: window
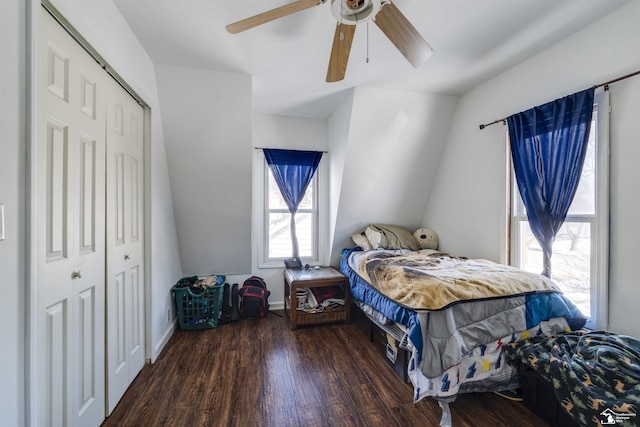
277	220
580	251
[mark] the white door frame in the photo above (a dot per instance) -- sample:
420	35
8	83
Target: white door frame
32	192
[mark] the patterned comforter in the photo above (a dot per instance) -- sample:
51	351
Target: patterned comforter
424	280
456	329
595	375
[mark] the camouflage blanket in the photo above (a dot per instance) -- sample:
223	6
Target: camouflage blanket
434	281
595	375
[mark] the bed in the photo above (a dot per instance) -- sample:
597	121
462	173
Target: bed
456	314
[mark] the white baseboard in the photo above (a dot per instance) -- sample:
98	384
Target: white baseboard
278	305
157	349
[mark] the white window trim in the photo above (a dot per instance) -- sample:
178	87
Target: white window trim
600	292
260	214
266	260
600	239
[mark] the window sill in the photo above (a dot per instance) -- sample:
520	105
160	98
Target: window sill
266	265
280	263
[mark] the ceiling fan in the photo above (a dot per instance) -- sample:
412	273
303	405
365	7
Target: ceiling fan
349	13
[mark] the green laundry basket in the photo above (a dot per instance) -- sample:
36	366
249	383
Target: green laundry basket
198	310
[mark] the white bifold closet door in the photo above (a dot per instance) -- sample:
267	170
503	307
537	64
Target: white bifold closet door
68	385
125	247
88	297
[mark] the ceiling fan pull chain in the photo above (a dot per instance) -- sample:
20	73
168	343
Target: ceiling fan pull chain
341	15
367	42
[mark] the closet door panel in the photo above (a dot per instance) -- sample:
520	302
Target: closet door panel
87	350
137	325
89	102
125	251
87	226
69	379
57	177
54	388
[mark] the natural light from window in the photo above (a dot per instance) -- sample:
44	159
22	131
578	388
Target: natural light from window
279	222
571	262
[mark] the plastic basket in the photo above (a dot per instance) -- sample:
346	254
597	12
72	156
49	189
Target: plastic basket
197	310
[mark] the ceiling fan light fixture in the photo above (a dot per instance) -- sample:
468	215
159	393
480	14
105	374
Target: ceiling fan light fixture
349	13
353	12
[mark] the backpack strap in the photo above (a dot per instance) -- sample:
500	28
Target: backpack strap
255	281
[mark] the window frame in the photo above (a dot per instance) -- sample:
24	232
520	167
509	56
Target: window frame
599	222
319	212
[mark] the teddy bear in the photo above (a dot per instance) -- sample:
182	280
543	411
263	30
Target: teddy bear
427	239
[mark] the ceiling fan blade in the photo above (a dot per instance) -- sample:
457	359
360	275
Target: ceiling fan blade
270	15
340	52
403	35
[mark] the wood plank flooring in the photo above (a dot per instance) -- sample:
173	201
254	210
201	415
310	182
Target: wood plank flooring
259	373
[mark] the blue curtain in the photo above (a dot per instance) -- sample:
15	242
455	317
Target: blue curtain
293	171
548	147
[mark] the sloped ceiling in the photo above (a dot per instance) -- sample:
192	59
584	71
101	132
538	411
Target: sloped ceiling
473	40
390	160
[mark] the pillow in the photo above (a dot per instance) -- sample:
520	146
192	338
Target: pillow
374	237
427	239
361	240
386	236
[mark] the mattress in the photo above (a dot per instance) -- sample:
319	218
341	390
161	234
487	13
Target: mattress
457	347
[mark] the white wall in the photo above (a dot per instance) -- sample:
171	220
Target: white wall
624	289
468	204
393	147
12	196
207	128
102	25
339	123
293	134
383	149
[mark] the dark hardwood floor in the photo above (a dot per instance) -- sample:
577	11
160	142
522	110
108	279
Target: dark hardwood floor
259	373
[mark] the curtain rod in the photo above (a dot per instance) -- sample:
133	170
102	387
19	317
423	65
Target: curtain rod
605	84
262	148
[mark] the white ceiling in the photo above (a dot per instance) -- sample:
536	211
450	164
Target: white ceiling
473	40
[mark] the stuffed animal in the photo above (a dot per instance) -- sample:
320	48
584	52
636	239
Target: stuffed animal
427	239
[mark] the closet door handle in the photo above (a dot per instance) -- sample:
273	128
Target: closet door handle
126	257
76	274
